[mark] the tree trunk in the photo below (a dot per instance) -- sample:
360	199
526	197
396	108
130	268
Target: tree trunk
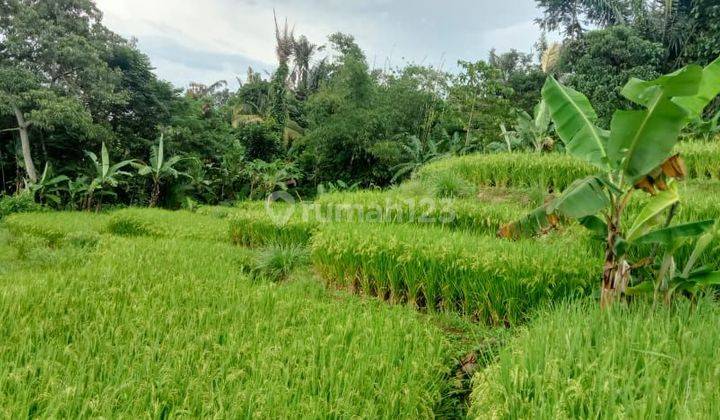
608	293
616	272
155	196
25	142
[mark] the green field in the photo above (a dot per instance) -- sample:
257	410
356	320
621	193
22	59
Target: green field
360	209
361	304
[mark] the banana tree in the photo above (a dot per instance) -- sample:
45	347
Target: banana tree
536	128
159	169
635	154
104	178
48	187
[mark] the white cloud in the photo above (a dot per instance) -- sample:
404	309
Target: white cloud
391	31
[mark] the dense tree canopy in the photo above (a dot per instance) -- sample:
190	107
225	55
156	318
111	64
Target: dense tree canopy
70	86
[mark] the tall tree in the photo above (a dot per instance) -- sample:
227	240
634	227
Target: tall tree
600	62
54	70
285	42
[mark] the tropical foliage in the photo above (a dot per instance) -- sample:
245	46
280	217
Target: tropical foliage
636	154
199	252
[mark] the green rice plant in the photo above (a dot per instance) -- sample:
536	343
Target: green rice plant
551	171
38	252
702	159
489	279
258	228
126	222
278	262
578	361
483	214
167	224
54	227
517	170
448	185
166	328
128	225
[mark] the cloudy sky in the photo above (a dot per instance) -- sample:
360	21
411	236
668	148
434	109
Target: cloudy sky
209	40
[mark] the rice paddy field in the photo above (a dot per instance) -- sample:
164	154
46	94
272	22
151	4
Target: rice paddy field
400	303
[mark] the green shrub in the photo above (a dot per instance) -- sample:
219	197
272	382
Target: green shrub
23	202
493	280
581	362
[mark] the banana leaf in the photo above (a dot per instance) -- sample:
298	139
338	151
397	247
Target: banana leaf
646	220
575	120
583	198
640	141
671	234
709	88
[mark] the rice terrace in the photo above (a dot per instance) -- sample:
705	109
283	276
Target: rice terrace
206	213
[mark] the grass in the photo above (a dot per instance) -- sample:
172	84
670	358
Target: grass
56	226
278	262
702	159
147	327
484	213
167	224
517	170
552	171
492	280
580	362
256	228
151	313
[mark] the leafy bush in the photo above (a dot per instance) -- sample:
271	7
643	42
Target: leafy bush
490	279
20	203
580	362
600	62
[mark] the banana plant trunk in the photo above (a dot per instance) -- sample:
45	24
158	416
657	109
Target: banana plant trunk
609	292
616	271
155	196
